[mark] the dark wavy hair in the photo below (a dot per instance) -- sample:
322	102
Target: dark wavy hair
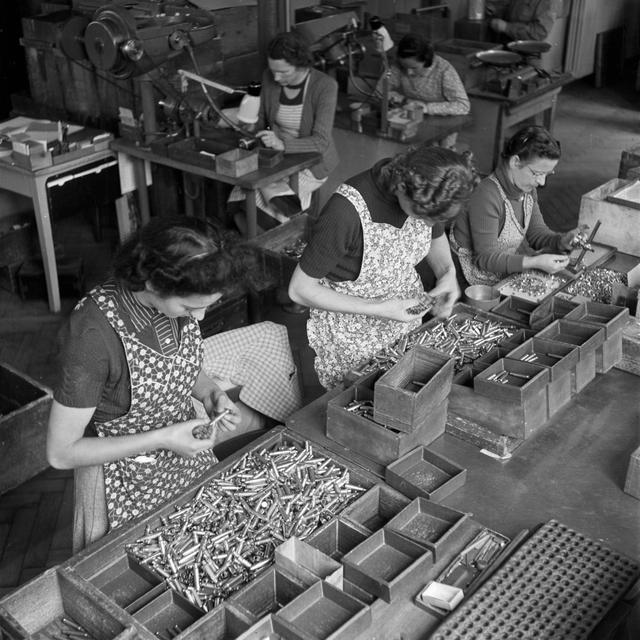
439	181
530	142
291	47
415	46
182	257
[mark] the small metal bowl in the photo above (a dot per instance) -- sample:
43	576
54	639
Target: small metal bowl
482	296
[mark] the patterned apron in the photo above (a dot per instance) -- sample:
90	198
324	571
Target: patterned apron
343	340
510	240
160	395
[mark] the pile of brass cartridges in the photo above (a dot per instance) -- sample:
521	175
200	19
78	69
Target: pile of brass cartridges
597	284
218	541
533	285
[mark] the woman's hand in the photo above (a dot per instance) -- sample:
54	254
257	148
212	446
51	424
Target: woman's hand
571	238
396	98
180	438
270	139
398	309
215	403
446	292
549	262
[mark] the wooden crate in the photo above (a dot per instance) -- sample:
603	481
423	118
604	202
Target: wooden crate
301	560
373	440
587	338
423	473
549	310
430	524
525	381
560	359
376	507
385	562
24	412
323	612
337	537
412	390
515	309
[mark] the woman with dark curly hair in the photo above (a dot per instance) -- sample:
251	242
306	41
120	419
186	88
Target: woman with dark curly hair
297	108
123	414
358	270
503	231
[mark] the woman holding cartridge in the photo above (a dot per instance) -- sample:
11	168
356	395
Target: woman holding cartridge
502	230
123	414
357	272
297	109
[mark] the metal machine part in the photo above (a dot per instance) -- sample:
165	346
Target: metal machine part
127	40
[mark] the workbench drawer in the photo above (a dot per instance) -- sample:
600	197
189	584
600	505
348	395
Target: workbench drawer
425	474
411	392
431	525
385	562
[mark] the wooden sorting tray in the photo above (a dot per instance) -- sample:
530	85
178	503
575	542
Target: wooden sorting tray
613	318
337	537
306	563
222	623
430	524
516	389
376	507
481	363
323	612
586	337
549	310
167	614
375	441
549	284
515	309
267	593
423	473
385	562
264	629
558	357
37	607
413	389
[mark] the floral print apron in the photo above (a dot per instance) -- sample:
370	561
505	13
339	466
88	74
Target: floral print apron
343	340
509	240
160	395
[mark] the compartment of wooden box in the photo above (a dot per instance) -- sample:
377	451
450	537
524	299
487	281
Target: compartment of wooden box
222	623
125	581
38	607
546	312
381	444
430	524
412	390
24	411
304	562
613	318
264	629
376	507
587	338
515	309
236	162
481	363
269	592
167	614
385	562
423	473
524	381
337	537
560	359
323	612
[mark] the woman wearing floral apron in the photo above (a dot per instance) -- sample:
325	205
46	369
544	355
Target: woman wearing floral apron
357	272
123	414
502	230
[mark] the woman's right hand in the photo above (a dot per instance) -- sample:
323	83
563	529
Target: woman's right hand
398	309
549	262
179	438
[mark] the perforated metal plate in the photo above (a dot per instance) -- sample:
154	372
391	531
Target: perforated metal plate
557	586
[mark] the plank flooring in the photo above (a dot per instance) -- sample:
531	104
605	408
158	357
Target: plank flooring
594	126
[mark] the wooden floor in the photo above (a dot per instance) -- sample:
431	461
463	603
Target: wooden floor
594	126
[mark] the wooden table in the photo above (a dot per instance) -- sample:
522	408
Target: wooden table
290	166
494	115
33	184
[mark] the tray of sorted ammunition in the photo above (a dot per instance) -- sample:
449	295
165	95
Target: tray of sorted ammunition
532	286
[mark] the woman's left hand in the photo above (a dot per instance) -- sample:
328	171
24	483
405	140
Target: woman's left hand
270	139
569	239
